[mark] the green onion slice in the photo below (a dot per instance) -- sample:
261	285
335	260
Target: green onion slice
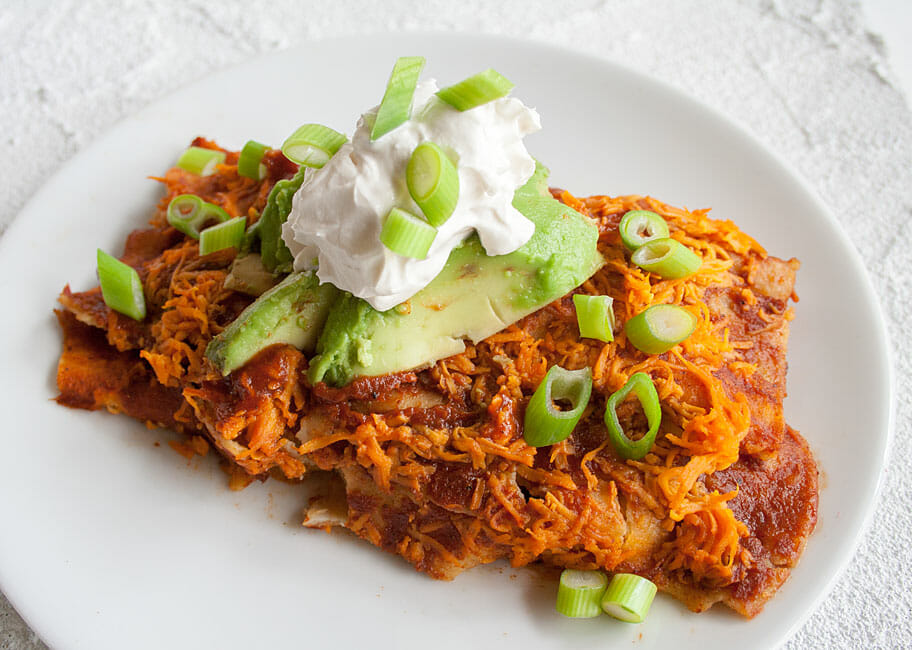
545	423
433	182
199	160
628	597
210	212
396	105
639	226
659	328
250	161
183	210
224	235
478	89
407	235
579	593
120	286
595	316
189	214
312	145
667	258
641	385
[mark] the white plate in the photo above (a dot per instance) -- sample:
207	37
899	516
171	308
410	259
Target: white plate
110	542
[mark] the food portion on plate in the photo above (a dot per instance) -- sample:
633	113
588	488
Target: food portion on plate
484	367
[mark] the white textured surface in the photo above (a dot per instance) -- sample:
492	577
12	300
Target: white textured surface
805	77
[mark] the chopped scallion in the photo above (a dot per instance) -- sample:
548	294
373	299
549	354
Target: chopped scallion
189	214
182	210
641	385
224	235
595	316
210	214
312	145
250	162
639	226
545	423
433	182
199	160
407	235
659	328
120	286
397	100
667	258
579	593
628	597
478	89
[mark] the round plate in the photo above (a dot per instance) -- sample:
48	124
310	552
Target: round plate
110	541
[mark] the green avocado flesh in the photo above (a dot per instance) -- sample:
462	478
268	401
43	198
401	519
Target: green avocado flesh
274	253
474	296
291	312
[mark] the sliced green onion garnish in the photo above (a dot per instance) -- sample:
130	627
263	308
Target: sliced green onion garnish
545	423
250	161
478	89
120	286
182	210
210	214
641	385
628	597
639	226
189	213
659	328
407	235
224	235
397	100
199	160
666	257
595	316
312	145
579	594
433	182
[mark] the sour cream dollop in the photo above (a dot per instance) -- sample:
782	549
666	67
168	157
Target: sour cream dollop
337	214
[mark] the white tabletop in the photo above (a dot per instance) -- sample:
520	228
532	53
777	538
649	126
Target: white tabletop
809	77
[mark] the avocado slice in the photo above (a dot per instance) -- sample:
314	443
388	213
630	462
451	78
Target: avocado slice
291	312
274	253
474	296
